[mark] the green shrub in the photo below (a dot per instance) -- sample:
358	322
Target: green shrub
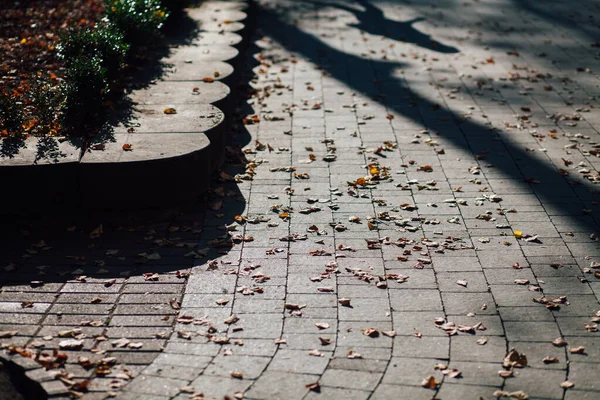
104	41
46	101
12	119
139	20
84	108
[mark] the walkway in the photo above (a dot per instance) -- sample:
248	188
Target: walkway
416	197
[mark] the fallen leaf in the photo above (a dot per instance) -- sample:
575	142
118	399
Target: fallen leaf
70	344
345	302
452	373
237	374
170	110
127	147
506	374
577	350
559	342
482	341
97	232
550	360
322	325
567	385
315	387
519	395
462	282
514	359
430	382
371	332
232	319
325	341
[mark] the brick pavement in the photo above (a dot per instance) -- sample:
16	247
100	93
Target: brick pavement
417	199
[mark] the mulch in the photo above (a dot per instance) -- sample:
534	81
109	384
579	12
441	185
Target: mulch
29	34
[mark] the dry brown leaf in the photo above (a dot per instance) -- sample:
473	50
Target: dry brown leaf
292	306
345	302
506	374
452	373
187	389
567	385
559	342
170	110
482	341
315	387
550	360
232	319
325	289
352	355
315	353
389	333
462	282
514	359
237	374
430	382
519	395
577	350
322	325
325	341
371	332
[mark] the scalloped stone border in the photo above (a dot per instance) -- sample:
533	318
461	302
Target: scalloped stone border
172	157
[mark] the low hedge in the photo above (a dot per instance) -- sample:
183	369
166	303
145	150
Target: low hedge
78	106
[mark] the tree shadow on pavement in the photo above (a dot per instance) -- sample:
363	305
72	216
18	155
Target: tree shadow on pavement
373	21
564	197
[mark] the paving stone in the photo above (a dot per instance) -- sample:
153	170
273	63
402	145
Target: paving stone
452	390
250	366
415	300
531	331
346	379
155	386
410	371
425	346
338	393
218	387
300	362
386	391
281	385
544	383
464	303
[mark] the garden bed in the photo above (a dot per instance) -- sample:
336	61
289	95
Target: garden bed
149	156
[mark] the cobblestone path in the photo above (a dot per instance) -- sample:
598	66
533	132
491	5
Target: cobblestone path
413	215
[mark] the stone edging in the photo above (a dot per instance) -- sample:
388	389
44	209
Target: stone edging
172	156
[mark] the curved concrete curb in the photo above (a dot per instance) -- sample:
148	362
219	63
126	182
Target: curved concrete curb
171	156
